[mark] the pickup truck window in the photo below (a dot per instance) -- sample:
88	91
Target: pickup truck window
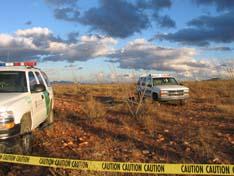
143	81
39	78
32	80
148	81
12	81
164	81
46	79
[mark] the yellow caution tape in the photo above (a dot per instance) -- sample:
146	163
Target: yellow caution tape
150	168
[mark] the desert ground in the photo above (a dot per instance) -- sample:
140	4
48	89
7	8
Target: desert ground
104	122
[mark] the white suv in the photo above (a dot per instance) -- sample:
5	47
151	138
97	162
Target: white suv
162	87
26	101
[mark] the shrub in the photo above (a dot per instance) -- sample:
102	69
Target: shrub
93	109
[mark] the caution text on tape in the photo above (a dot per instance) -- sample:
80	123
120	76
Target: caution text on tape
153	168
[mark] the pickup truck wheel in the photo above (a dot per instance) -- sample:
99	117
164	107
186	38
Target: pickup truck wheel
182	102
155	97
26	138
26	143
2	148
24	146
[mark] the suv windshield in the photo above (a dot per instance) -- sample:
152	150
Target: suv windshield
12	81
164	81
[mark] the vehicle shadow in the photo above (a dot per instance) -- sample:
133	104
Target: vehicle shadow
107	100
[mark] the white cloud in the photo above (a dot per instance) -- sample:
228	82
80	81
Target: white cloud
87	47
36	42
14	42
35	31
40	42
141	54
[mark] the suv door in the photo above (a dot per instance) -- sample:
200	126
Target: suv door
148	86
48	85
48	94
38	102
49	89
142	83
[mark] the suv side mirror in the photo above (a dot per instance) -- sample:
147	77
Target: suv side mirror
38	88
181	84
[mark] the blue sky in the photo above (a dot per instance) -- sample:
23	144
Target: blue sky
112	39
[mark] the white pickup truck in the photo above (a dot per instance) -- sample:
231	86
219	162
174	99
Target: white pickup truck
26	101
162	87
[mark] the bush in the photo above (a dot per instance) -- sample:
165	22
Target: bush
93	109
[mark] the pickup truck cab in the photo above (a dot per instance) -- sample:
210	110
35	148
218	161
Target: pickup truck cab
26	101
162	87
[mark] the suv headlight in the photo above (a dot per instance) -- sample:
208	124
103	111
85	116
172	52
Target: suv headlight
163	92
6	120
186	91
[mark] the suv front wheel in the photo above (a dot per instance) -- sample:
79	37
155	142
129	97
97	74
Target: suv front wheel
26	138
26	143
155	97
183	102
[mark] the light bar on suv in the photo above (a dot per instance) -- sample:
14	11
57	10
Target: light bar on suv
160	75
27	64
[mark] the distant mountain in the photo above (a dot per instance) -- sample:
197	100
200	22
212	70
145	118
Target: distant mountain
62	82
213	79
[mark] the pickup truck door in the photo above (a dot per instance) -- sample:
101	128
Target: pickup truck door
148	86
143	86
38	102
43	79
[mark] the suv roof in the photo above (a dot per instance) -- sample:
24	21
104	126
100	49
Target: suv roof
156	75
18	68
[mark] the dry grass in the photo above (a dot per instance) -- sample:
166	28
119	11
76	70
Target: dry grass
202	131
93	109
227	108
